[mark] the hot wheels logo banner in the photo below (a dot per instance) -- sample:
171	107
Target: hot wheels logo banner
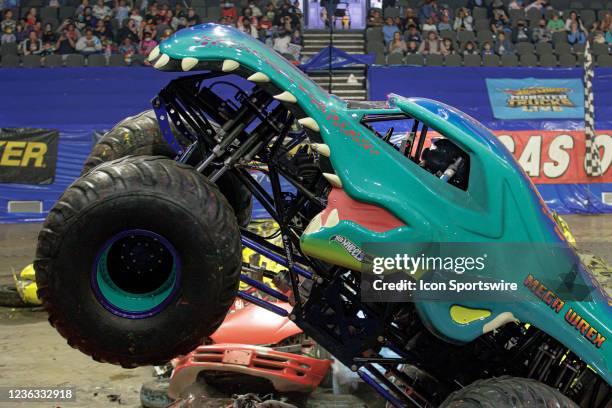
536	98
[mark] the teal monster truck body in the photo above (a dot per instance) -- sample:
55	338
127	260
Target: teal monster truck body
375	195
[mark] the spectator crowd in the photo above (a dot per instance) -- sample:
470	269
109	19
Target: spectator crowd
487	28
132	28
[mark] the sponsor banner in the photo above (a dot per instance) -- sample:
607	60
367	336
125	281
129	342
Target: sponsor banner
556	157
536	98
28	156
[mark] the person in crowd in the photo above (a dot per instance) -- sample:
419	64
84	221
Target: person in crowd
430	9
599	37
463	21
375	19
389	29
555	23
192	17
397	44
541	33
477	3
122	11
432	44
575	35
247	27
412	47
296	38
255	10
101	10
89	43
48	35
147	44
32	45
129	31
540	5
429	25
444	24
449	46
47	49
86	20
103	29
65	44
21	31
487	49
412	34
410	18
81	8
127	48
8	21
137	18
515	5
31	17
521	33
574	17
470	48
281	42
503	45
7	36
608	36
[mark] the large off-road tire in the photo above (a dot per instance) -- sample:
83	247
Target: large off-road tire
138	261
140	135
507	392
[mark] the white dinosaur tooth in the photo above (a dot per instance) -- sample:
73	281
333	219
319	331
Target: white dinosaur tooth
188	63
285	97
314	225
309	123
333	180
321	148
162	61
332	219
229	65
153	54
259	77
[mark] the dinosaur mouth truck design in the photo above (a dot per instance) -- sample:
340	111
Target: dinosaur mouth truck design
140	258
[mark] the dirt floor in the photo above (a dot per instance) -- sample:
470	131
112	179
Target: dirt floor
33	354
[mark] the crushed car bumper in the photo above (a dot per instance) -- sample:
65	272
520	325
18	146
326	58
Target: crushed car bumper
286	371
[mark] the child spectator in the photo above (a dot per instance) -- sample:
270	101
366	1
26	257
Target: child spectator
469	48
8	21
389	30
397	45
147	44
281	43
449	47
413	34
444	24
246	27
429	25
8	36
47	49
487	49
89	43
296	38
555	23
463	21
22	31
255	11
135	15
575	35
541	33
432	45
103	30
48	36
412	48
430	10
127	48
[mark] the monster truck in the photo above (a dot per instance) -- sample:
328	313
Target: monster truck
139	260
